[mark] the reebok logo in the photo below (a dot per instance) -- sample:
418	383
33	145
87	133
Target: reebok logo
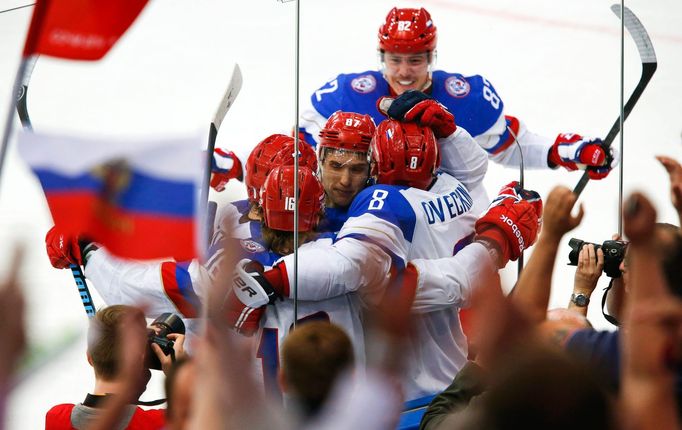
505	219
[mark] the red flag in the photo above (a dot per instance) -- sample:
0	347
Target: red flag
79	29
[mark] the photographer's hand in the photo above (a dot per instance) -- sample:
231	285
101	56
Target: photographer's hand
178	347
590	267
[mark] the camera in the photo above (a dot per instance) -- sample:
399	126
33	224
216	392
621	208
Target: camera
614	252
158	332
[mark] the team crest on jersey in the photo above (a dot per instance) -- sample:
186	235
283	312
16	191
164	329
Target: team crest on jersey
251	246
364	84
457	87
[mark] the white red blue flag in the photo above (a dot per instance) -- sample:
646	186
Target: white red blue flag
137	198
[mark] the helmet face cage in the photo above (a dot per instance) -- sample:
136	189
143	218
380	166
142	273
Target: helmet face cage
404	154
407	31
277	199
273	151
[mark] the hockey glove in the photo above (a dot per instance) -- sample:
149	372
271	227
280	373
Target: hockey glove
243	319
511	222
63	250
514	190
224	166
415	106
251	286
572	151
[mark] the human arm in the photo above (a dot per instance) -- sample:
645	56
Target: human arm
674	169
653	318
568	150
509	226
587	274
469	382
166	286
532	290
178	351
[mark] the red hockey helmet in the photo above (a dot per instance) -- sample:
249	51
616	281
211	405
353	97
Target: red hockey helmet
277	199
347	130
271	152
407	31
404	154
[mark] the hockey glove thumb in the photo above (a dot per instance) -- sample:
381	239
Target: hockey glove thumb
224	166
62	249
243	319
251	286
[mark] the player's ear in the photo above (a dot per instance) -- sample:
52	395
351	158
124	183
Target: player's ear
89	359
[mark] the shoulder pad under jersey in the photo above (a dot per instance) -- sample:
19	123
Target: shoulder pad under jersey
352	92
471	99
387	203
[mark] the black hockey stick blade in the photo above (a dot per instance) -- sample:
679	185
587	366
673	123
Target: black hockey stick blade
22	98
649	64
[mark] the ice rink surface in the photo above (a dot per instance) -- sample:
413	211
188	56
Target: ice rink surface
556	64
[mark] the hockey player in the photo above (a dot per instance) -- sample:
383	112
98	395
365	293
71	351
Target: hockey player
413	212
278	220
407	50
241	219
344	169
170	286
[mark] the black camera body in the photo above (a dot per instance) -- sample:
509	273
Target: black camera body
614	253
158	332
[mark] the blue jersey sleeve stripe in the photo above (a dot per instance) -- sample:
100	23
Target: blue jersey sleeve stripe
506	139
307	137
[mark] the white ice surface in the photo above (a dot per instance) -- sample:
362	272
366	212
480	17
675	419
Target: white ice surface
556	65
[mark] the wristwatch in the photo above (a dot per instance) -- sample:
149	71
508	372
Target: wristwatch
580	300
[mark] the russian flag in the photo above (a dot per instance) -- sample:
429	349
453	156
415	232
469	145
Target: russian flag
137	198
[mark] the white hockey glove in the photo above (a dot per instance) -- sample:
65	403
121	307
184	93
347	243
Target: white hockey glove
250	286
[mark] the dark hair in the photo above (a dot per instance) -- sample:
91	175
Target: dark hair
313	355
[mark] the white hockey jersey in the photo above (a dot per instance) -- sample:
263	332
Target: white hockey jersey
389	226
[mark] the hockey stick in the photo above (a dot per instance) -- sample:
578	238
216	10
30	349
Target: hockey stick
226	103
22	110
649	64
522	182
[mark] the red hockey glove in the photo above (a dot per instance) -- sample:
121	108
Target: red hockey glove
513	189
224	166
63	250
415	106
256	288
243	319
572	151
511	222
